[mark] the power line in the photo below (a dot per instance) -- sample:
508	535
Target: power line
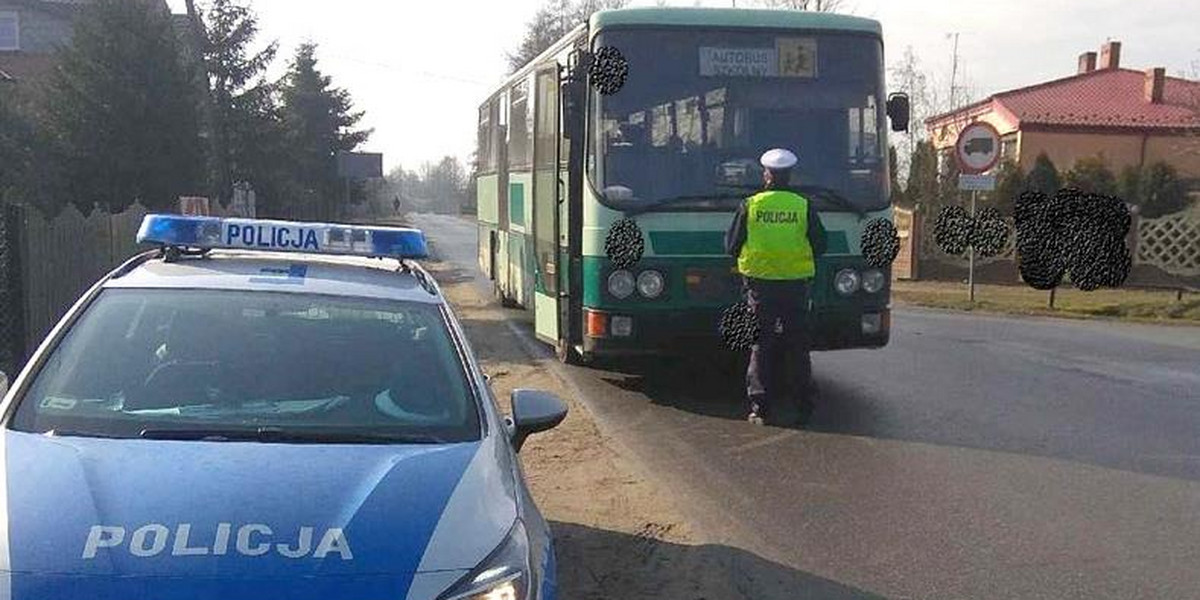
395	67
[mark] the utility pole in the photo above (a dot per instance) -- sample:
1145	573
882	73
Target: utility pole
954	72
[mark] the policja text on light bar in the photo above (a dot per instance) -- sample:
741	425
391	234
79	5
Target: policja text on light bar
282	236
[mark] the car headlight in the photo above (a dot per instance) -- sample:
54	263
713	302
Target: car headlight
620	283
504	575
872	281
650	283
846	281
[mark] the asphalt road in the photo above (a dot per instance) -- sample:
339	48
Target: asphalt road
974	457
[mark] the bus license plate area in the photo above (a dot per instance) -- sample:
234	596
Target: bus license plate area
710	284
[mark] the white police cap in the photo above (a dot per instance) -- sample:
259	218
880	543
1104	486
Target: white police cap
778	159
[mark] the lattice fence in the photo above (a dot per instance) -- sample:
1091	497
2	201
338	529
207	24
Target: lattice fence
1171	243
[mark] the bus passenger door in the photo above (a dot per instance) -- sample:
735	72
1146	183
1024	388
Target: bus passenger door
547	285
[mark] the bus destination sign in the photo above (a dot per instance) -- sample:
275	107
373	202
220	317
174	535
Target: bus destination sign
738	62
791	57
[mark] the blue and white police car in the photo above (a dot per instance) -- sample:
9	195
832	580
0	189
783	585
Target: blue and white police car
267	410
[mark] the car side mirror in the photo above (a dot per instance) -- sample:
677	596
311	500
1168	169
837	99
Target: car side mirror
3	383
534	411
898	111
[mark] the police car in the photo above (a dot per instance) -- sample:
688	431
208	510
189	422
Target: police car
268	410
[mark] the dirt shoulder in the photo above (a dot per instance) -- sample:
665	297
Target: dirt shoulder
617	535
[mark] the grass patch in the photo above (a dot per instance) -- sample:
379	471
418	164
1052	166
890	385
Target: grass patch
1123	304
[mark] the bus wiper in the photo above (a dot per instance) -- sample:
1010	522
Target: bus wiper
828	193
281	435
833	196
665	201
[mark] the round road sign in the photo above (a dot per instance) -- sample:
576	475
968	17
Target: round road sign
977	148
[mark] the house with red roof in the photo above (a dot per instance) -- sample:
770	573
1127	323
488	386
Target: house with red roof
1130	117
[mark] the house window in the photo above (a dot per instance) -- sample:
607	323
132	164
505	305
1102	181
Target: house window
1008	147
10	31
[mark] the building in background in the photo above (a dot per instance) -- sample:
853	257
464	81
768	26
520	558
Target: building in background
1131	117
31	31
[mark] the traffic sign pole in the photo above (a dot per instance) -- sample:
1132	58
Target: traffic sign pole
971	257
976	150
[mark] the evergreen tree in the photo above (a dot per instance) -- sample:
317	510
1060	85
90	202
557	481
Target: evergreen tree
922	187
319	121
1043	177
948	192
16	133
246	130
1161	191
1010	182
897	194
121	111
1091	174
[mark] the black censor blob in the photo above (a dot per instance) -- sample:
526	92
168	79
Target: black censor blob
1073	232
955	231
952	230
739	327
608	70
989	233
623	244
880	243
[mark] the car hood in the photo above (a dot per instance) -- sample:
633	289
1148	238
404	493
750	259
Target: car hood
129	511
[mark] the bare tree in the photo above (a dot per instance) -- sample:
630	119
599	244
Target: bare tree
811	5
552	21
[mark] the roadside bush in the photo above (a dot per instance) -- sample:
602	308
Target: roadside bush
1091	175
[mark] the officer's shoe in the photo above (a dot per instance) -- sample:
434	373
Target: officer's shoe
756	418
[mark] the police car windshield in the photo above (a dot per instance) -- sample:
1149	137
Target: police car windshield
284	367
700	107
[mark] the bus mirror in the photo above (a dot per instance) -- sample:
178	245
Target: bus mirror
572	109
898	111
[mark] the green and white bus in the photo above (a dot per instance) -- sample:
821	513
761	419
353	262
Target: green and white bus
676	150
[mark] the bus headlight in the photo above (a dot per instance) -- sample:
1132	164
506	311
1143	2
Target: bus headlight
650	283
872	281
846	282
621	283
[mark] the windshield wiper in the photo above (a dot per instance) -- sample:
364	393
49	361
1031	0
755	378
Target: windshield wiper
58	432
833	196
672	200
823	192
280	435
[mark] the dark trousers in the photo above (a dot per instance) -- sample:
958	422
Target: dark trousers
780	368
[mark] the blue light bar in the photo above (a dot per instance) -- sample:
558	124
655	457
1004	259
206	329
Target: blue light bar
282	236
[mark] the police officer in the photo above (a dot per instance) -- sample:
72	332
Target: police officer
776	236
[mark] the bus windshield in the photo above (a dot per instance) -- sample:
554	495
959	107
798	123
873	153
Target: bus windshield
700	106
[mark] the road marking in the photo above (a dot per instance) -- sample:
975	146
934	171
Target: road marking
767	441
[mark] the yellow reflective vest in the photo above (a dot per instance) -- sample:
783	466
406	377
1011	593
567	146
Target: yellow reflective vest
777	245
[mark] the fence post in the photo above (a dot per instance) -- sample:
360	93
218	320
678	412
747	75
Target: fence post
1134	238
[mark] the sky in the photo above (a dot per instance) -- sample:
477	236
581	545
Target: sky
420	69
